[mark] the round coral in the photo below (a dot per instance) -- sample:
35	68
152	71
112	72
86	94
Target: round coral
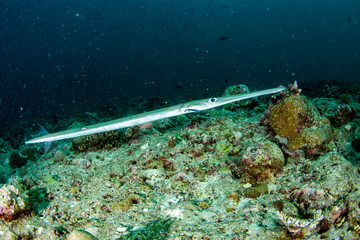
287	117
310	137
297	119
262	161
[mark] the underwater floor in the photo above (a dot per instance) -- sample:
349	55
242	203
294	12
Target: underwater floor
284	167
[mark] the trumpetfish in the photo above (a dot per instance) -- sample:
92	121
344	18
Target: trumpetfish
180	109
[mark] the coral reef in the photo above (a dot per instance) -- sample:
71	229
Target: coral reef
217	174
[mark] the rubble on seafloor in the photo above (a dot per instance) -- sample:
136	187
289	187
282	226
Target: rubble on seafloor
284	170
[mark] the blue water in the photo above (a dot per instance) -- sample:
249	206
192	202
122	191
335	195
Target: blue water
56	55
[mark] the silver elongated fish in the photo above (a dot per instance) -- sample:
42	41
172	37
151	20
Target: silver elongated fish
185	108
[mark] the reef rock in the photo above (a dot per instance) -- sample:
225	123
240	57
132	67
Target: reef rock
262	161
13	202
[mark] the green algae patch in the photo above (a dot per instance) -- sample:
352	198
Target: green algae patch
255	191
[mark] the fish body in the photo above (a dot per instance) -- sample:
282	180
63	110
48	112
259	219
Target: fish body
181	109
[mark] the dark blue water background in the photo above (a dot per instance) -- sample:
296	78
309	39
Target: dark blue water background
55	55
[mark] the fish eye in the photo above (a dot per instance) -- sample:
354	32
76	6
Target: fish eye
212	100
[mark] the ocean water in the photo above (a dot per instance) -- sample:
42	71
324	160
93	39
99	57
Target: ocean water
57	55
